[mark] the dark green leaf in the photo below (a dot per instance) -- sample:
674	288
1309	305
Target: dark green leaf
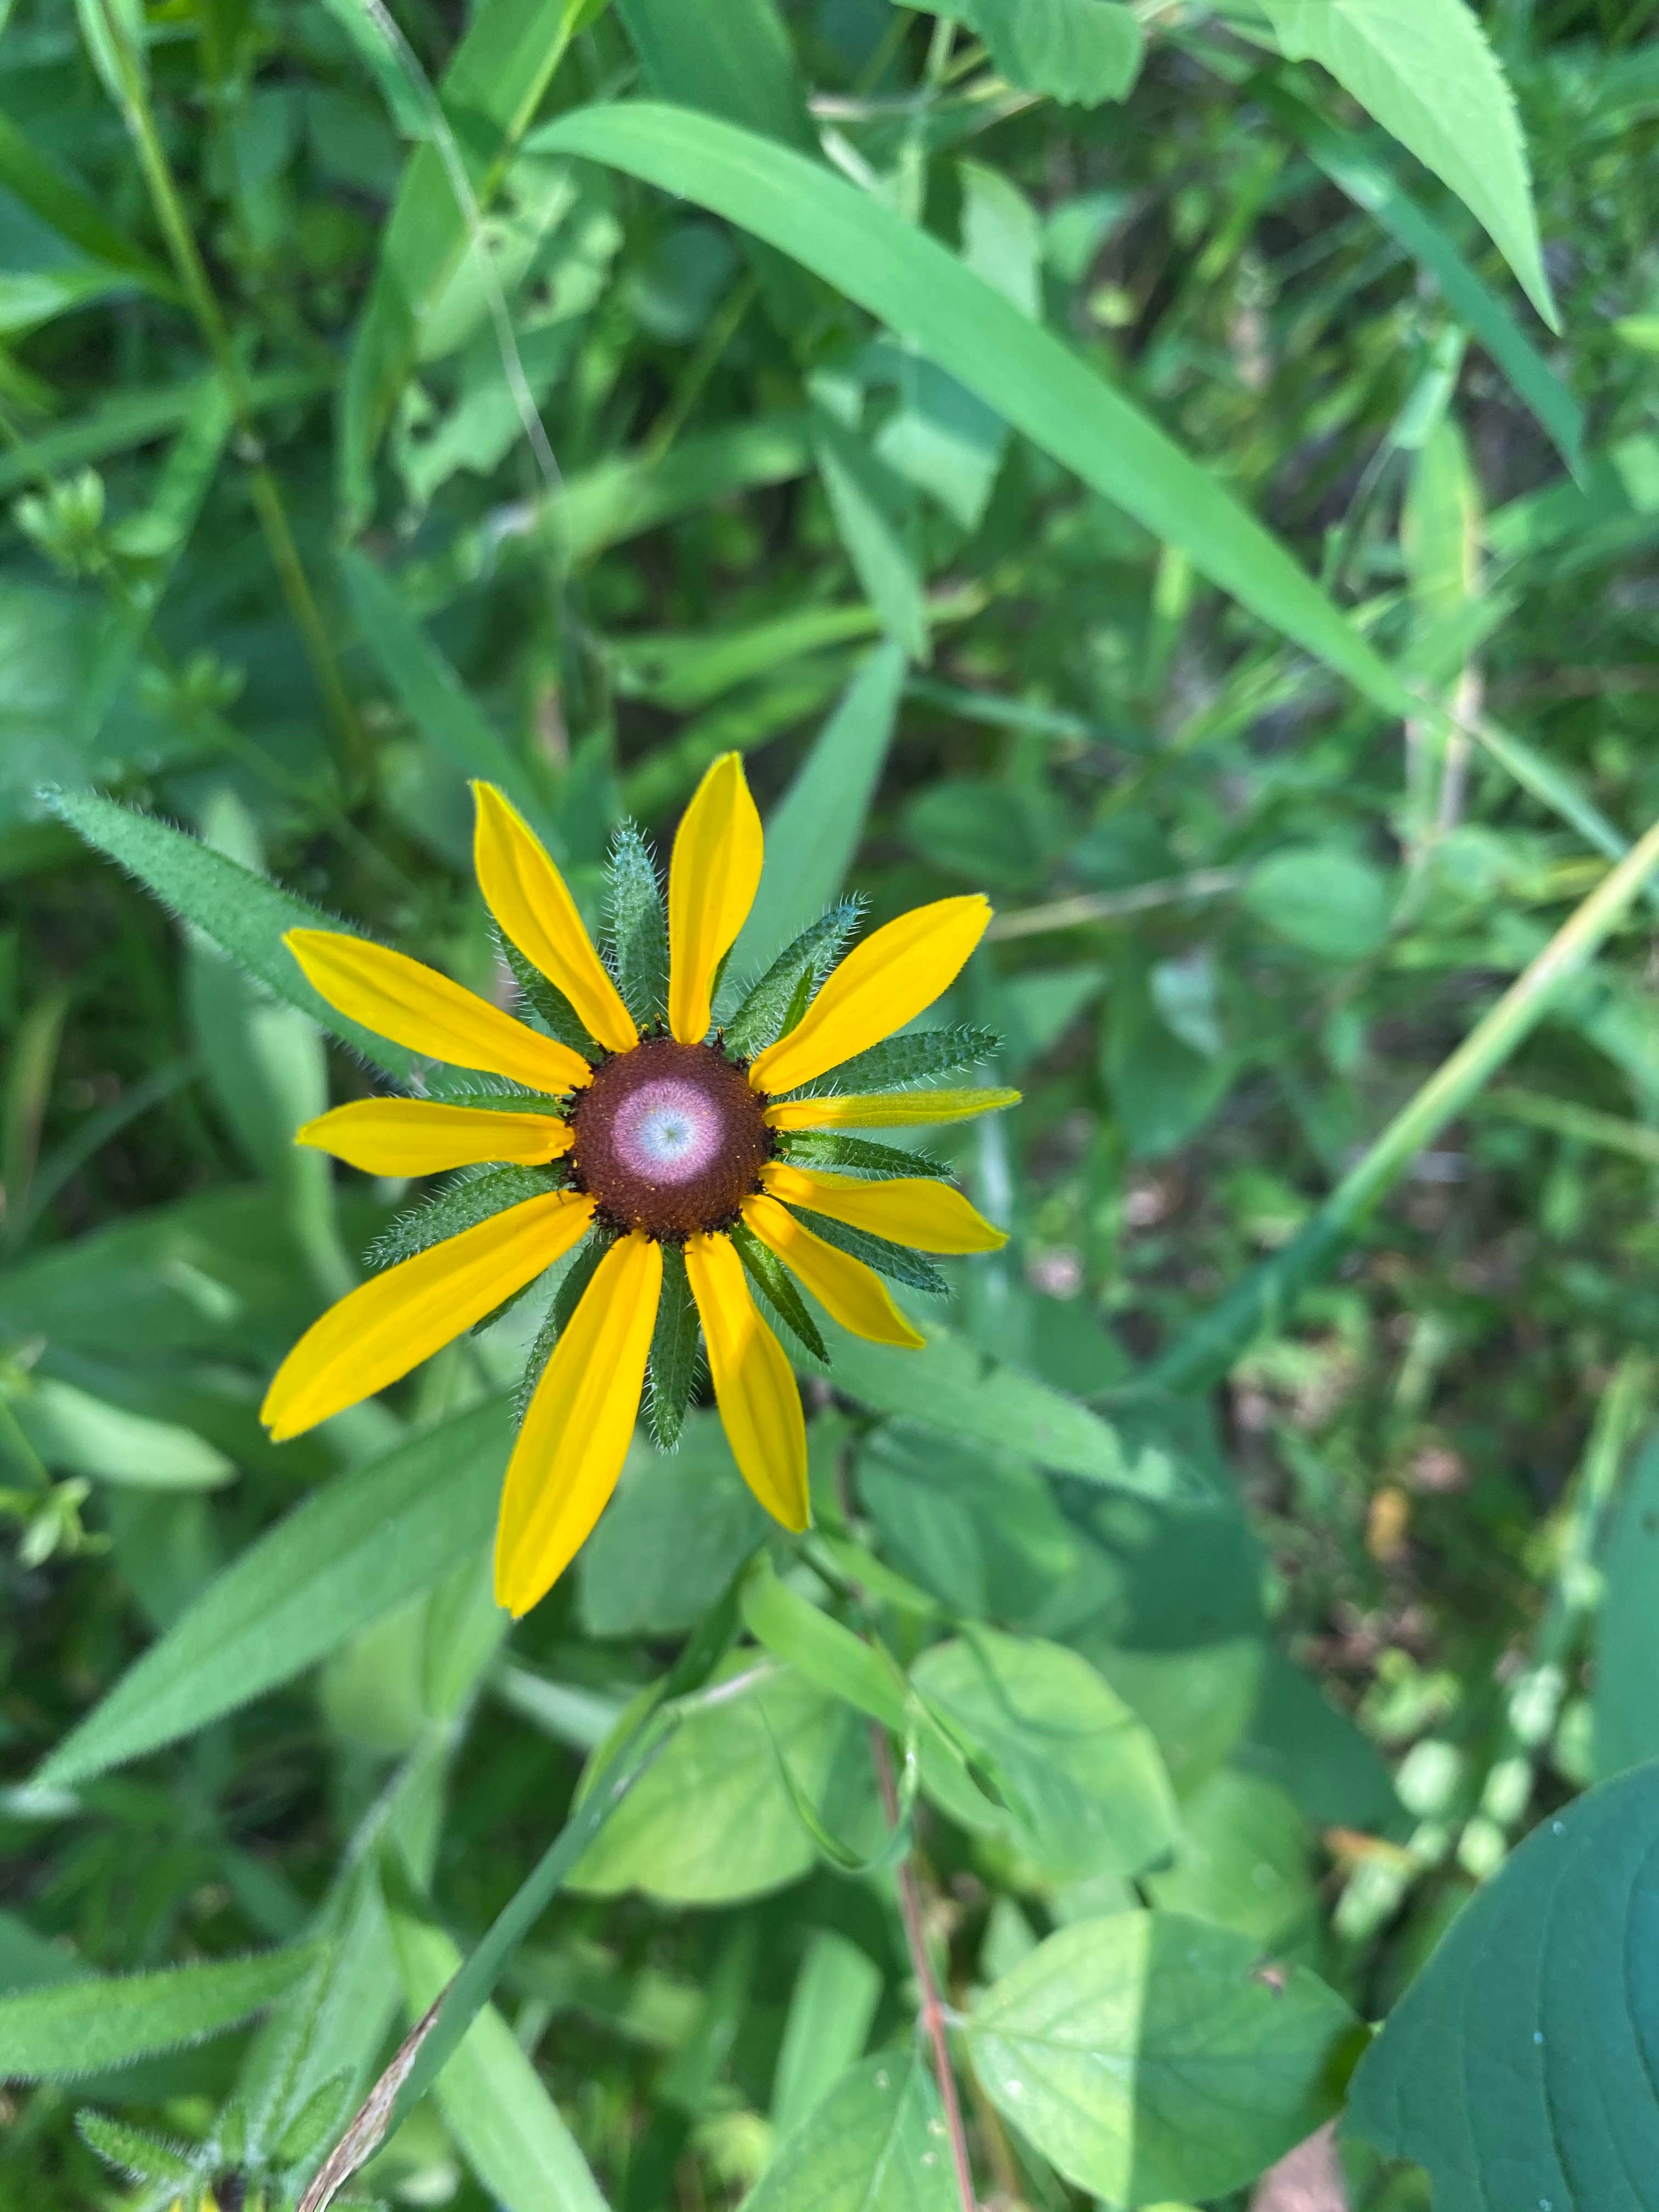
474	1196
913	1269
766	1006
923	1056
557	1016
777	1288
671	1370
637	927
835	1148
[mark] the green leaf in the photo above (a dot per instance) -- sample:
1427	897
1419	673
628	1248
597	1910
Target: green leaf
923	1056
491	88
83	2026
777	1285
1242	1861
814	832
928	297
831	2008
1624	1711
432	697
676	1531
245	915
770	1001
1149	2056
71	1429
636	926
133	2154
981	1530
1327	902
1085	50
27	173
866	503
1088	1790
493	2100
876	2143
1369	184
837	1150
1423	68
746	1838
549	1004
351	1553
896	1261
1519	2067
735	60
671	1370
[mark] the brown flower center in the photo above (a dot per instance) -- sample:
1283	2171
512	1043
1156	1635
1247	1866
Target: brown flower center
669	1138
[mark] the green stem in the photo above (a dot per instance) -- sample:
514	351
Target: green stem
1266	1298
349	737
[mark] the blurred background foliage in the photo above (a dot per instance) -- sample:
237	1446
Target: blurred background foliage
313	511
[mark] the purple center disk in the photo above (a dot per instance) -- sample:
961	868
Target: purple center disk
668	1131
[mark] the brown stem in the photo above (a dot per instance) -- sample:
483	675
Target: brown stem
933	2011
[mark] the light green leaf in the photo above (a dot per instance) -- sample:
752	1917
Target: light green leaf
815	830
981	1530
735	59
1085	50
830	2009
351	1553
928	296
875	2144
1327	902
83	2026
679	1527
432	694
1149	2056
69	1428
1242	1861
492	89
1423	68
866	504
747	1838
1623	1704
1089	1790
245	915
1519	2067
493	2100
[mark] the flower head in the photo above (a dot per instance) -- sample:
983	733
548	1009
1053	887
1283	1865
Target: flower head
695	1170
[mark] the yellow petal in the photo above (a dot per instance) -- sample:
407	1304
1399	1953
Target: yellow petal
712	881
527	896
849	1292
909	1210
760	1406
881	985
414	1005
576	1433
887	1109
394	1320
419	1136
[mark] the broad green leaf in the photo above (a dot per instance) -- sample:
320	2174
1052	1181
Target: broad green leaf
830	2009
814	832
866	504
1327	902
432	694
73	1430
928	297
1369	184
1297	1738
1243	1860
679	1527
1150	2056
351	1553
876	2143
1623	1700
735	60
245	915
491	90
1519	2067
979	1529
1164	1084
950	1386
1423	68
493	2100
747	1838
1089	1794
84	2025
1085	50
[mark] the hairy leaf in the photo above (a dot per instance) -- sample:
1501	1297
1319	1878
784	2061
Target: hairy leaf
912	1269
765	1008
671	1371
902	1062
833	1148
636	926
776	1287
83	2026
474	1196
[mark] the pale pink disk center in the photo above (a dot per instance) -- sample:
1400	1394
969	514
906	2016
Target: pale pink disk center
667	1132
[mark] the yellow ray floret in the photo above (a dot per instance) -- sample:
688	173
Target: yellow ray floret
848	1292
419	1008
880	986
394	1320
759	1405
712	880
887	1109
527	896
912	1210
420	1136
575	1435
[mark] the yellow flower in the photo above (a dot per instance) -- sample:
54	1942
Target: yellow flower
661	1136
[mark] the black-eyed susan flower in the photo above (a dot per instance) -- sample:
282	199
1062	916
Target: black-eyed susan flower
698	1173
